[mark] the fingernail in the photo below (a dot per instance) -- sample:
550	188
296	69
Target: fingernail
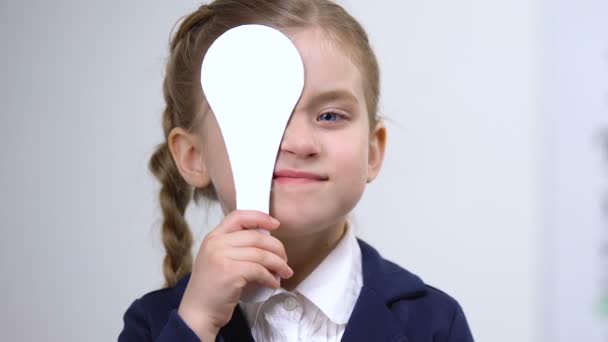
275	221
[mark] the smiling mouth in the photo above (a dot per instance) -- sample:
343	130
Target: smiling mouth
292	180
297	177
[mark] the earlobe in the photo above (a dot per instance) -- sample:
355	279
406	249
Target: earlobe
186	151
377	147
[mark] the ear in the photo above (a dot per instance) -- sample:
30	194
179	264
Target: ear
186	150
377	146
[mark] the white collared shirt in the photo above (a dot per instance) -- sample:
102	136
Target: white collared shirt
319	307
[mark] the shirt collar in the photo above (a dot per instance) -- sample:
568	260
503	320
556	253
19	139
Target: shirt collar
335	284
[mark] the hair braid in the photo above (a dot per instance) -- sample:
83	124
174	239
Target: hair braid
175	193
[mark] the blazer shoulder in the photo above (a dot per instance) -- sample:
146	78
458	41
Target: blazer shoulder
148	314
396	283
160	299
159	303
403	287
439	312
425	310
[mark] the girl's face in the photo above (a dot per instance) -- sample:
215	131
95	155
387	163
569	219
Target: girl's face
327	138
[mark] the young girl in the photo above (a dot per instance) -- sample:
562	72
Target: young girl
333	286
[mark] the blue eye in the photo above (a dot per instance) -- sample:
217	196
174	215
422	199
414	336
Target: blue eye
329	116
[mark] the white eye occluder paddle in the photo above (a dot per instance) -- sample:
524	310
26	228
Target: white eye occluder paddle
252	77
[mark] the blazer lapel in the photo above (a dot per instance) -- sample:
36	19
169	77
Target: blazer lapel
383	283
372	320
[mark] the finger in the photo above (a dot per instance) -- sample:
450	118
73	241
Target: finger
270	261
243	219
252	238
254	272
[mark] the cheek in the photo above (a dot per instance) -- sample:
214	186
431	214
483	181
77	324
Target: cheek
348	156
221	177
350	173
218	166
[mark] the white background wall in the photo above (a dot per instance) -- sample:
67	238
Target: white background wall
575	93
459	202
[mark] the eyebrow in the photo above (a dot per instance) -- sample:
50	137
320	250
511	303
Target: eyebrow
332	95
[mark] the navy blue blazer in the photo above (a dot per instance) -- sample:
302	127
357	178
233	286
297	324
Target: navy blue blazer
394	305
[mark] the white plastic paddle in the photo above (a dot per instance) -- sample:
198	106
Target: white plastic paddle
252	76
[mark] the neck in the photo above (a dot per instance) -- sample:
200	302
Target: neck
305	253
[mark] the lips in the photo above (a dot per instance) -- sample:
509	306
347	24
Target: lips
295	175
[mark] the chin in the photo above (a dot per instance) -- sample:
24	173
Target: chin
305	223
294	232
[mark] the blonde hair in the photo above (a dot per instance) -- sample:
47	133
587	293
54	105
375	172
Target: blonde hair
183	94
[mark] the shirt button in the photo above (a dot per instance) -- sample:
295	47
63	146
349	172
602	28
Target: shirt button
290	303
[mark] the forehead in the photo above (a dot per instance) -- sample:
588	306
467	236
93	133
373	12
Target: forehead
327	66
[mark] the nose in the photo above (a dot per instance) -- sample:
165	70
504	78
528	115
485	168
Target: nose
299	139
